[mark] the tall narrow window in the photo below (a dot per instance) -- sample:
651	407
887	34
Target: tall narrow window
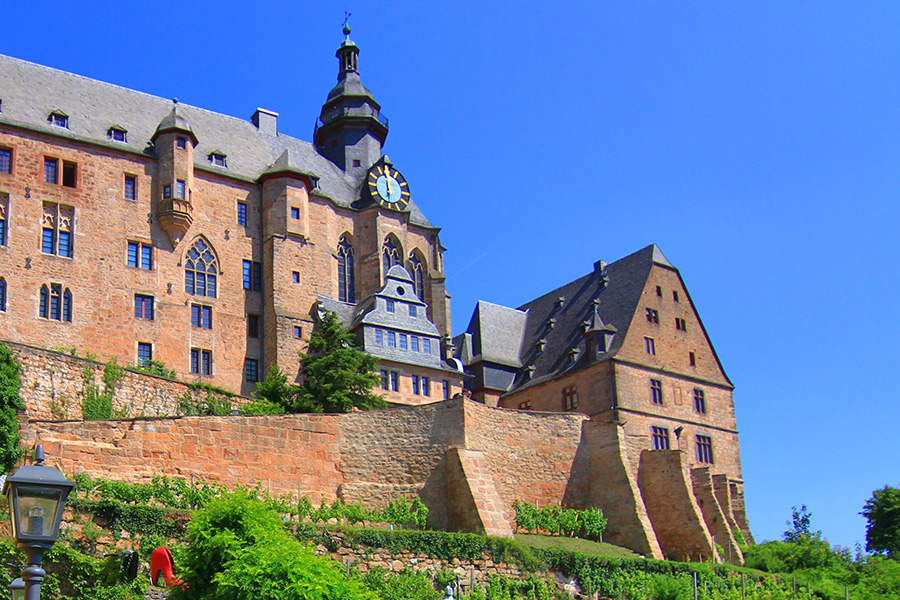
140	255
130	187
680	324
426	388
144	354
4	217
200	268
252	275
392	339
660	438
650	345
704	449
252	326
57	224
2	295
445	388
656	393
699	401
417	270
570	398
415	384
692	358
346	277
384	379
242	213
390	255
426	345
179	189
251	370
395	381
51	170
5	160
403	342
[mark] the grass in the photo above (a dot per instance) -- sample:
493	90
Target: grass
546	542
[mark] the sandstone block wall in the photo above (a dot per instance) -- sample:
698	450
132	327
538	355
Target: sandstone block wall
714	516
53	382
673	509
467	462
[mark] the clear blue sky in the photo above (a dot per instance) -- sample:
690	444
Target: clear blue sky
756	143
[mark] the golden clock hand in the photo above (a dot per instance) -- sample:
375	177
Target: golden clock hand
388	181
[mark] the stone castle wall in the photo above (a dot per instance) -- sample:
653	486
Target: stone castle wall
53	383
467	462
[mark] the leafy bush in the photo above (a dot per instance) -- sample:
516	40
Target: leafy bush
155	367
10	405
555	520
97	403
238	549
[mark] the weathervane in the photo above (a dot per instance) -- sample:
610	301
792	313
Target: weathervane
346	29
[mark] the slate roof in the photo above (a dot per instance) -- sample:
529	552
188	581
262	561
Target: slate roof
511	337
30	92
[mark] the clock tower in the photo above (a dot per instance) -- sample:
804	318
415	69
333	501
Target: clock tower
351	130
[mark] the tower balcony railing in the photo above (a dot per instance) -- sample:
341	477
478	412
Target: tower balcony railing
348	111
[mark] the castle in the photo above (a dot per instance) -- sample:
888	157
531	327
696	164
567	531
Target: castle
144	230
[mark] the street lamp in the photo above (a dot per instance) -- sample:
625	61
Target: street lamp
37	495
16	589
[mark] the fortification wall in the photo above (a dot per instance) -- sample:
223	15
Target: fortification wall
535	457
53	385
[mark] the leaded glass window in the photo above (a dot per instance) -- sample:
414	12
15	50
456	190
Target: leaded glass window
200	269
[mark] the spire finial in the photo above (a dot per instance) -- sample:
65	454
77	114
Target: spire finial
346	28
174	100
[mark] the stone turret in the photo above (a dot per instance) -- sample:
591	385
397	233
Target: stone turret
175	142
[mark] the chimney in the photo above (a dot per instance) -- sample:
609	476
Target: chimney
266	121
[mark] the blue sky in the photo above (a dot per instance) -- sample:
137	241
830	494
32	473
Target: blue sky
756	143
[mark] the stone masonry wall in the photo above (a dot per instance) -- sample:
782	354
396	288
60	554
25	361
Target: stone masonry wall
714	515
53	383
673	510
535	457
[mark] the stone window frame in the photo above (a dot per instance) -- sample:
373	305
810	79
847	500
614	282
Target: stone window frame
7	160
650	346
145	348
656	391
2	294
570	398
346	270
705	449
130	186
415	384
242	213
251	370
139	255
252	275
4	219
201	269
201	316
55	303
58	230
201	361
144	307
680	324
117	134
652	316
395	381
660	437
700	401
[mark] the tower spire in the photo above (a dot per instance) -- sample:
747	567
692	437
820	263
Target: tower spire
351	130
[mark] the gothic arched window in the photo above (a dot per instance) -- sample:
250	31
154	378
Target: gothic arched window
417	270
346	277
56	302
200	268
390	254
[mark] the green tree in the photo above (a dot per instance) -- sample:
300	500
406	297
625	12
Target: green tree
10	405
273	396
337	376
238	550
800	526
882	511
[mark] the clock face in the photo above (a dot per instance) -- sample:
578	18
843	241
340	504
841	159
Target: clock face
388	187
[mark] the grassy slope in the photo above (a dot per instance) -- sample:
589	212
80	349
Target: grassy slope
544	542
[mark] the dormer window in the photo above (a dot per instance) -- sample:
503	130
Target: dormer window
573	355
540	345
218	159
59	119
117	134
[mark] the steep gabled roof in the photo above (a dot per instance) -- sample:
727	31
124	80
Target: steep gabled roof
540	335
30	92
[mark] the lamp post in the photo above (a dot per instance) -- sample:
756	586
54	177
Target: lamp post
37	496
16	589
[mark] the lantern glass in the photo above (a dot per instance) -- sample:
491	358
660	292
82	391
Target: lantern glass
17	589
36	509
